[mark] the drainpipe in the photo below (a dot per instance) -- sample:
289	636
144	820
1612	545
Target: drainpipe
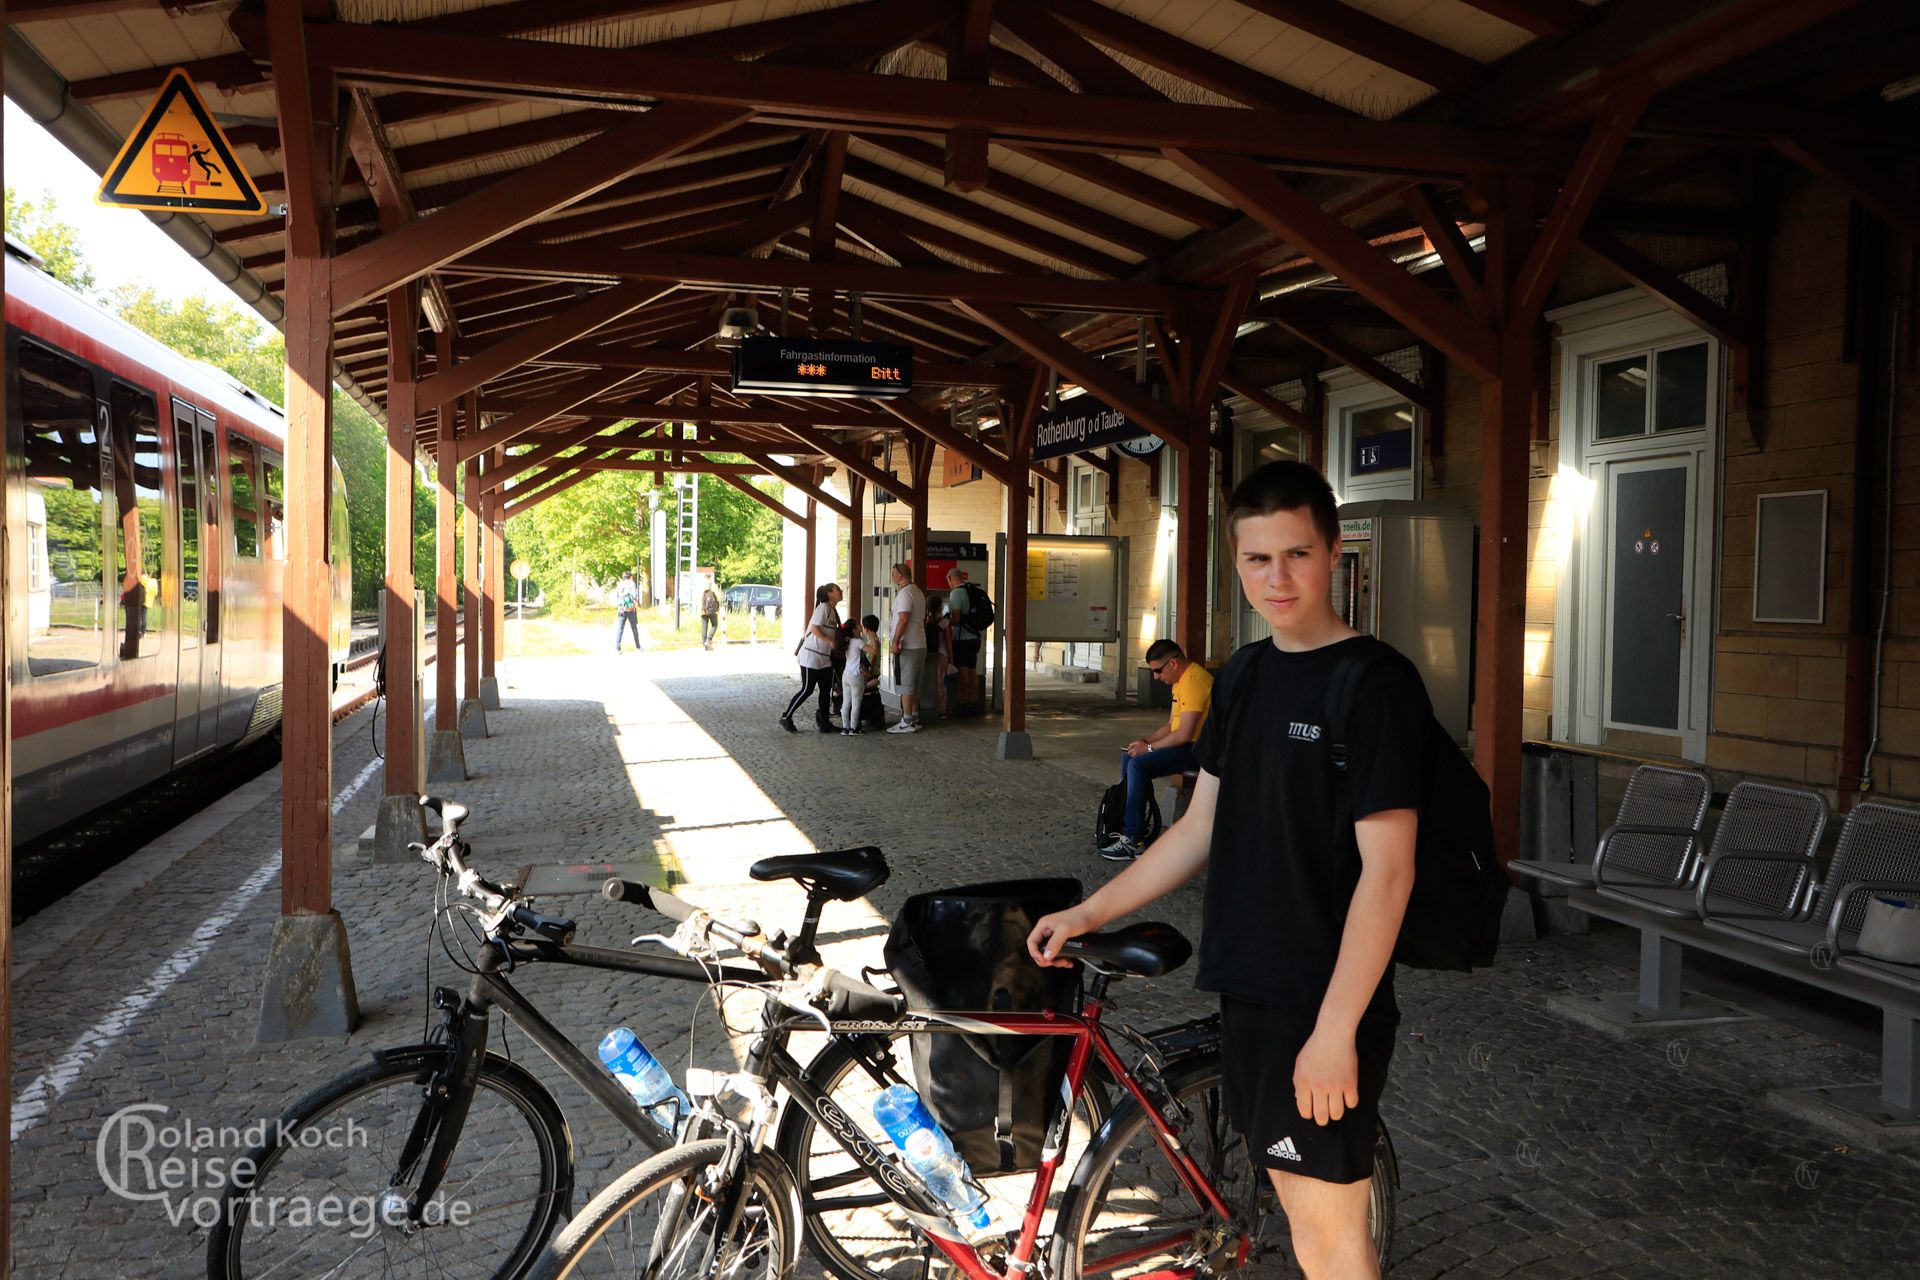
40	92
1872	504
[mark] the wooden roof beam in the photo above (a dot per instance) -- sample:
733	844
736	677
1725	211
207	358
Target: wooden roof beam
1070	362
707	271
934	426
1296	219
824	97
1456	255
1377	40
764	499
965	164
1869	183
1671	291
518	424
1581	191
1548	19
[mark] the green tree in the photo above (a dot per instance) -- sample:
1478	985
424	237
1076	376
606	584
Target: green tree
219	333
38	224
739	537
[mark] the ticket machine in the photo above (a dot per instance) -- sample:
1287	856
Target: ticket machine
1406	575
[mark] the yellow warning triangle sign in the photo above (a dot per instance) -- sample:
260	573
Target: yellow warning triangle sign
177	158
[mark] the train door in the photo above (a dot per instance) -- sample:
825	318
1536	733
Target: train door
207	592
187	696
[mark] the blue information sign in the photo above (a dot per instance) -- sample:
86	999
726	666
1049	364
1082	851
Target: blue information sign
1388	451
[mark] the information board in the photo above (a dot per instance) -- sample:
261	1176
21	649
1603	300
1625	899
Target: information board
822	367
1073	588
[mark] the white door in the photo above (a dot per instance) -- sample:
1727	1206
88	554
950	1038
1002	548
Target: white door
1087	514
1636	610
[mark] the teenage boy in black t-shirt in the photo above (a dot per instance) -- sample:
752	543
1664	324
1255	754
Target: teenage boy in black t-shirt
1300	915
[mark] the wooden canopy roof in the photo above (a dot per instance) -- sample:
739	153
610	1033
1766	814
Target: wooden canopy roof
580	186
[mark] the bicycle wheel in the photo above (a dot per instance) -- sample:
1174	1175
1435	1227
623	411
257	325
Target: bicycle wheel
313	1203
1127	1213
853	1229
660	1220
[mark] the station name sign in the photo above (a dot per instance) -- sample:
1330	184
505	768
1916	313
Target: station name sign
1085	423
822	367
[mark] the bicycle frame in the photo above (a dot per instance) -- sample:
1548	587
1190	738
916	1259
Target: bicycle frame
437	1129
769	1060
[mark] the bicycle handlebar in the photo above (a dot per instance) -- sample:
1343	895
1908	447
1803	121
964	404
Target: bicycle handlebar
843	996
446	854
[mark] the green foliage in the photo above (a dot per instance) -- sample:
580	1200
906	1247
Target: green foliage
360	447
38	224
739	537
219	333
600	527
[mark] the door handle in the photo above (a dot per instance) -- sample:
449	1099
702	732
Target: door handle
1680	618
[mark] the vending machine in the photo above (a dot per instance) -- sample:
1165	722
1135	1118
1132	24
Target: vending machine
1406	575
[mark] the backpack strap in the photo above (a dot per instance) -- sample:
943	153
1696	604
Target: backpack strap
1337	706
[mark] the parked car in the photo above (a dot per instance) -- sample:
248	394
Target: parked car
752	595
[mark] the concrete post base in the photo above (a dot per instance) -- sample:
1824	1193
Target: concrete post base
309	989
490	692
401	820
473	718
1013	745
446	757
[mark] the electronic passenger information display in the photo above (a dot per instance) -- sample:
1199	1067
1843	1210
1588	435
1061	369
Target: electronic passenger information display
822	367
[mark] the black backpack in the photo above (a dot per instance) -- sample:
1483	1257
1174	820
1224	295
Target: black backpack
966	948
1113	816
1459	886
979	615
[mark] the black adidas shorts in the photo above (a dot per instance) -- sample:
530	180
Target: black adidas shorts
1259	1045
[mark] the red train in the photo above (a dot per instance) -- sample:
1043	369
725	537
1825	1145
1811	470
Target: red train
145	508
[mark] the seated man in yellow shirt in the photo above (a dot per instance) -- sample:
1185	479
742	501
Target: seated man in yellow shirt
1168	749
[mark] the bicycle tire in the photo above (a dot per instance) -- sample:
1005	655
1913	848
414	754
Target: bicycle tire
858	1233
1128	1141
337	1145
663	1250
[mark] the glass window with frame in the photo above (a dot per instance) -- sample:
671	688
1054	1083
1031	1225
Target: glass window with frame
65	510
242	492
186	456
138	550
276	505
1650	392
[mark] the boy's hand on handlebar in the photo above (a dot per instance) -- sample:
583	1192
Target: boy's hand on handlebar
1053	932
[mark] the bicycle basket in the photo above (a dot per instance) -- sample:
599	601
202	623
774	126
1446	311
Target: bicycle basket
966	948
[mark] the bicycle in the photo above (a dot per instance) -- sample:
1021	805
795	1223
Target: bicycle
445	1158
1164	1189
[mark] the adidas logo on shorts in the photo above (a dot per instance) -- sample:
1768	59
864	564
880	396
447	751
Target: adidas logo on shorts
1284	1149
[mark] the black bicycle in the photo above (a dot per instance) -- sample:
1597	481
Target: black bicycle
443	1158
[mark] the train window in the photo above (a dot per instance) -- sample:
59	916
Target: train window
65	610
186	455
209	592
138	551
240	491
276	508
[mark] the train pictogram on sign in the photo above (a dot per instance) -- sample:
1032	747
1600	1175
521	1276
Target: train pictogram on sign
176	158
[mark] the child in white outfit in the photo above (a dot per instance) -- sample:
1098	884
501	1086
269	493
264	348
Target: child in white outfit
853	679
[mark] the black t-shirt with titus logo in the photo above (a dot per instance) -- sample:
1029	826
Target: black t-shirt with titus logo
1280	877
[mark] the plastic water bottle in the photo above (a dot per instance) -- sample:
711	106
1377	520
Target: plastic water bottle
930	1153
641	1074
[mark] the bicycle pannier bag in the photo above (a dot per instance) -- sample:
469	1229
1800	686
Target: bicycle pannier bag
966	948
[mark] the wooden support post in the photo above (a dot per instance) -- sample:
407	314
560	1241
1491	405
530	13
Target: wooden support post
6	809
446	560
857	602
1505	470
473	715
812	529
493	567
309	980
1014	741
403	714
920	453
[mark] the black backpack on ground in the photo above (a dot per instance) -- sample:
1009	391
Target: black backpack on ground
1459	886
1113	816
979	615
966	948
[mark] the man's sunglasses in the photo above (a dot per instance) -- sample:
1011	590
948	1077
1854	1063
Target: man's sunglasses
1162	667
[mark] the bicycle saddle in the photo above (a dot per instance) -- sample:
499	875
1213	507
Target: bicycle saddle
842	875
1144	950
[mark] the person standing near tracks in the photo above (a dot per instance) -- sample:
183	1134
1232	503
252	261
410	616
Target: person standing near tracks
816	659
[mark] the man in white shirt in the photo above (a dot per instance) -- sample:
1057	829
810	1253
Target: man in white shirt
909	646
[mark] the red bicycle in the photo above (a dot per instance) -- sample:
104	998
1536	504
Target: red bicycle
1159	1185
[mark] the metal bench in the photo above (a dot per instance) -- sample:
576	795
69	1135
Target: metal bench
1654	840
1761	863
1780	921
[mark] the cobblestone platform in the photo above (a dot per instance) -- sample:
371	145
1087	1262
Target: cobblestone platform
1529	1146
